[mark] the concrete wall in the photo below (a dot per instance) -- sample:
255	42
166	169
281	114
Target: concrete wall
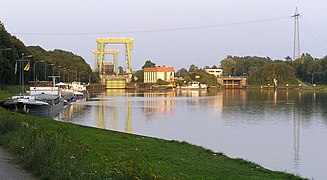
232	82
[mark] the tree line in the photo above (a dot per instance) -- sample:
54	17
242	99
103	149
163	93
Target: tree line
259	70
12	50
262	70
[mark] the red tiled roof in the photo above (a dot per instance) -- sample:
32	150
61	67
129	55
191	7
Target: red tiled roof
159	69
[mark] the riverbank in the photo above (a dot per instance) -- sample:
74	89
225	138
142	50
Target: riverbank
58	150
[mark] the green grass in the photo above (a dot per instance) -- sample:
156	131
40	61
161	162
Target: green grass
58	150
8	91
13	89
4	95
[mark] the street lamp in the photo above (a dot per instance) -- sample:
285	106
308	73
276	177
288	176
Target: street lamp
21	79
53	74
45	71
312	78
35	69
53	69
68	70
59	71
63	79
90	75
79	76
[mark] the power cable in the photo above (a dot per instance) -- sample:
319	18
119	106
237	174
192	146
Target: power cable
157	30
314	33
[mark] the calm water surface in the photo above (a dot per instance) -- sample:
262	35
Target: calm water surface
284	130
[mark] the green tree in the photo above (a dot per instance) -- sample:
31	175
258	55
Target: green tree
187	79
193	68
277	70
8	57
140	76
148	63
68	61
228	65
121	70
181	72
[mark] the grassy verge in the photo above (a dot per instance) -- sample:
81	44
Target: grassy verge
58	150
4	95
13	89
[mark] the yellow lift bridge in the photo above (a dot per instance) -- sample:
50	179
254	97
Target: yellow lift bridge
99	65
128	42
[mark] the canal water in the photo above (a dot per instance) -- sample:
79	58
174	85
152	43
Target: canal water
282	130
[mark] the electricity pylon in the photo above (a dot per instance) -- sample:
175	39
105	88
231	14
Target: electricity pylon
296	52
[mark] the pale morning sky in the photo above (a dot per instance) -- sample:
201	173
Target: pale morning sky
74	25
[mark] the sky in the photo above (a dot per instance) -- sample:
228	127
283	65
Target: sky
174	33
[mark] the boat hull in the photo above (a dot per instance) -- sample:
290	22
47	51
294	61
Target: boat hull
34	107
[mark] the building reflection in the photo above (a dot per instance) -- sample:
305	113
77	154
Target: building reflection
216	101
76	109
159	103
230	96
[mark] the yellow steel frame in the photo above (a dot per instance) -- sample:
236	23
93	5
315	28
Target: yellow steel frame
99	65
128	42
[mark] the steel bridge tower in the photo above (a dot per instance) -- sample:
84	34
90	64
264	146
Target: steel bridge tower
99	65
128	42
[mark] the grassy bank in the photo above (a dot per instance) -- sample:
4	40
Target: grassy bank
4	95
57	150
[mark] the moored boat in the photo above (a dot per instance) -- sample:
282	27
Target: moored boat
194	85
44	105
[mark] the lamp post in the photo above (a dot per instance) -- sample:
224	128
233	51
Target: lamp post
53	69
63	79
45	71
79	76
21	82
53	74
35	69
90	75
68	70
59	72
75	79
312	79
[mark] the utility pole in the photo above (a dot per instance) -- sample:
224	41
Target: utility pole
296	52
21	79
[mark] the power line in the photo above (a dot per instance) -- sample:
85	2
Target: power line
314	33
157	30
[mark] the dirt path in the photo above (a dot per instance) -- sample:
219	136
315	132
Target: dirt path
11	171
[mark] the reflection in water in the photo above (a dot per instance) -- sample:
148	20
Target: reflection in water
72	111
129	128
296	138
99	112
275	98
156	103
263	126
